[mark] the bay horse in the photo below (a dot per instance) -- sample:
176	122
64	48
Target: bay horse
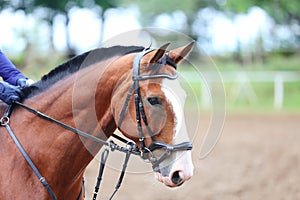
96	93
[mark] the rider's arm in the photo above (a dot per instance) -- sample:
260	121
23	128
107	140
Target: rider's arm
8	71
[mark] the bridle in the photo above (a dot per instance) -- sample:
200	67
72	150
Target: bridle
130	148
146	152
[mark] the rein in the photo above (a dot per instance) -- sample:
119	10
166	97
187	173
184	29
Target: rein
5	122
130	148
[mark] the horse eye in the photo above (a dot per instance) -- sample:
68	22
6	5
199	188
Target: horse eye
154	100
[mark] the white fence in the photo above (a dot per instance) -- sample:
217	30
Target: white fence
243	80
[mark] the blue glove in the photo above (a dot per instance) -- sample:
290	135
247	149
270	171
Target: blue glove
9	93
24	82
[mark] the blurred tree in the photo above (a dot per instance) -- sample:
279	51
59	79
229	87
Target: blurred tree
63	7
3	4
26	6
282	11
285	13
153	8
105	5
53	8
17	5
60	7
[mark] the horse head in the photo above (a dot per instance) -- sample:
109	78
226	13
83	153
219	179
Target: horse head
147	106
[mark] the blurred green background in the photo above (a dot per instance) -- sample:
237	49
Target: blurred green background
255	44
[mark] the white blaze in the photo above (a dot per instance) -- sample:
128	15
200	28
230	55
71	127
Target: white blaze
176	97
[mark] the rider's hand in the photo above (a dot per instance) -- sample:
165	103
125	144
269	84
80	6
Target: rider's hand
9	93
22	82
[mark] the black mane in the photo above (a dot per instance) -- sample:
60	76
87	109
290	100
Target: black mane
75	64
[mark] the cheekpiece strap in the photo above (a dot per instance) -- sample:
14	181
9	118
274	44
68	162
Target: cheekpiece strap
136	63
135	77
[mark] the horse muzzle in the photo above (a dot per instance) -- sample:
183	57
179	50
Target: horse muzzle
178	172
173	165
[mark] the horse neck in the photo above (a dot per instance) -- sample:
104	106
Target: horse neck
83	101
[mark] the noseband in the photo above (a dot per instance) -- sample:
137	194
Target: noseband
146	152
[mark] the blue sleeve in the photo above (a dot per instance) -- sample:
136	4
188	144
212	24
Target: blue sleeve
8	71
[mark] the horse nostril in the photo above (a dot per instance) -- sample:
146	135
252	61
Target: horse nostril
176	179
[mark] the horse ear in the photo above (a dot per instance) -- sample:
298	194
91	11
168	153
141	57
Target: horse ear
180	53
158	53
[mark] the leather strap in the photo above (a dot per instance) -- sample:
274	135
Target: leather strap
27	158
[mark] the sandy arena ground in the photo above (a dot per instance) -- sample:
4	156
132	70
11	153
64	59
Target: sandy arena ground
257	157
